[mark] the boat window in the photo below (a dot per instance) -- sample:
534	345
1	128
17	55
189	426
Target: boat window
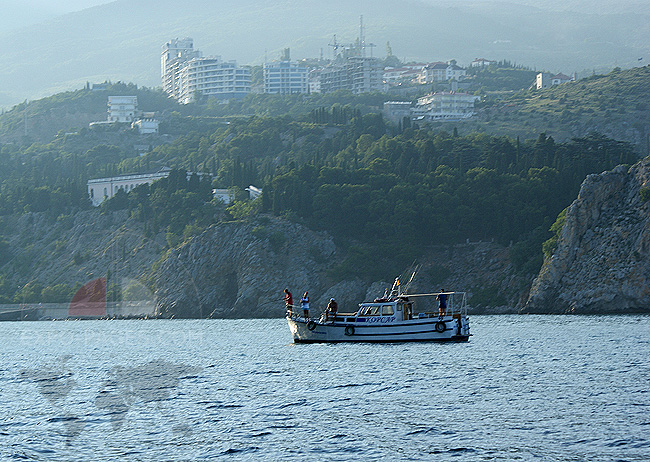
375	311
387	310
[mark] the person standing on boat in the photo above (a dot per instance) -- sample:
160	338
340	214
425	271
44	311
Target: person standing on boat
304	302
442	298
331	309
288	299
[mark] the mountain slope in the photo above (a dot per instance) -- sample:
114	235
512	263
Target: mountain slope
122	40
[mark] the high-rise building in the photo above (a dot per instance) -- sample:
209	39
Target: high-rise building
366	74
185	73
175	54
285	77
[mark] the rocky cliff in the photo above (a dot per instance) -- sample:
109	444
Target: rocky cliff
602	260
240	270
235	269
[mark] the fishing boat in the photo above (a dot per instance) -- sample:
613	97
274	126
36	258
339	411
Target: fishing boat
395	317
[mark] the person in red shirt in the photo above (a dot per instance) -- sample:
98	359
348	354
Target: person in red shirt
288	299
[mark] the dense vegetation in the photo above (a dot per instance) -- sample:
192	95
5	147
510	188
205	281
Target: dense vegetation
392	194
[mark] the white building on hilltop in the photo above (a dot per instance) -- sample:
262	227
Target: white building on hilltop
175	53
359	74
122	108
185	73
545	80
101	189
441	72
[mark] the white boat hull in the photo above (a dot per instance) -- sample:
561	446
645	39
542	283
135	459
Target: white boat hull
436	329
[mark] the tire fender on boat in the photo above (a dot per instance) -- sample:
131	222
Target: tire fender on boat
441	326
349	330
311	325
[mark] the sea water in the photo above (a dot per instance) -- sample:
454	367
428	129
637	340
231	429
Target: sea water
543	388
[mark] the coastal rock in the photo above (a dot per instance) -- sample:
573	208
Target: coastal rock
602	260
241	269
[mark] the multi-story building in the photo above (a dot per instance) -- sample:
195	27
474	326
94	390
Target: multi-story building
185	73
285	77
122	108
213	77
333	78
444	106
175	54
366	74
358	74
399	74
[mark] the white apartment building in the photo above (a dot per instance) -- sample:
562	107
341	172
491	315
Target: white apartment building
285	78
185	72
333	78
444	106
122	108
227	196
213	77
101	189
366	74
175	53
358	74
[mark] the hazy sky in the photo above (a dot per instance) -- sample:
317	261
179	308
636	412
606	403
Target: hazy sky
20	13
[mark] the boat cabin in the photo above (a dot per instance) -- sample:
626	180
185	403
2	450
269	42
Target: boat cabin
400	309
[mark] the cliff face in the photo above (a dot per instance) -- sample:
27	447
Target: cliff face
241	269
602	260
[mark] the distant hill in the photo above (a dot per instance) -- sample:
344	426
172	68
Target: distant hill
616	104
121	41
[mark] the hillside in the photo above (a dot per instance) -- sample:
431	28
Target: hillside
616	104
383	194
122	40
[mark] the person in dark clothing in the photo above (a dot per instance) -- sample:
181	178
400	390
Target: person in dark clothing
442	299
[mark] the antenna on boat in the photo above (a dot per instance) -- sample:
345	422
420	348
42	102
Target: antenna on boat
408	284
